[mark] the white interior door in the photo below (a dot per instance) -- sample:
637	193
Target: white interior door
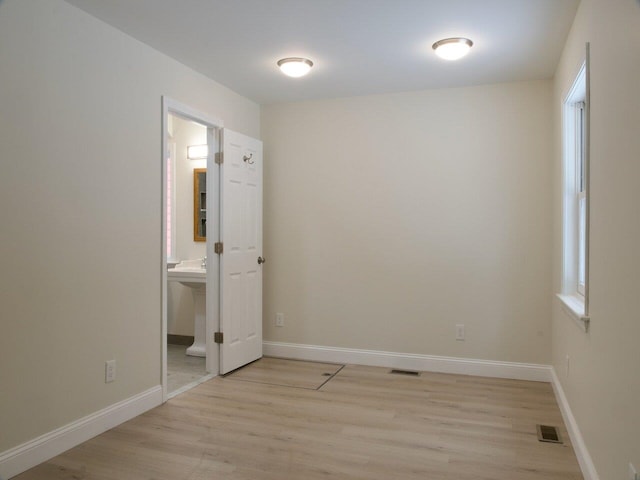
241	258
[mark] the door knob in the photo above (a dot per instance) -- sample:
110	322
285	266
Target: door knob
261	260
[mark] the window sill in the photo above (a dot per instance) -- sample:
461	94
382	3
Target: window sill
574	308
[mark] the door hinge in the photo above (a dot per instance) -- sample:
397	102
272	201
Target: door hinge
219	158
218	337
218	248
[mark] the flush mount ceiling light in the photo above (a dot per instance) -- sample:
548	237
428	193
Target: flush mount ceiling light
295	67
452	48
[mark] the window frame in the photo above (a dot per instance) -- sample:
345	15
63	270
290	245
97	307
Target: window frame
170	188
575	194
581	198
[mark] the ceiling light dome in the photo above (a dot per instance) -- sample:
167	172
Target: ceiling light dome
452	48
295	67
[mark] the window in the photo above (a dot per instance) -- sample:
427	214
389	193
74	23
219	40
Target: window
171	202
581	194
576	200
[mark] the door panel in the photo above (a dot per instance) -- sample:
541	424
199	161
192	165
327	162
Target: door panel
241	235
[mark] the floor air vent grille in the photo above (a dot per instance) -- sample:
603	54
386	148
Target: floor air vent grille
410	373
548	434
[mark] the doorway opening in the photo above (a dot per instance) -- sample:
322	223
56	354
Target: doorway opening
186	248
190	272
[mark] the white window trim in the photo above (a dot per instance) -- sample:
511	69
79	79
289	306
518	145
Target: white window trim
574	308
574	295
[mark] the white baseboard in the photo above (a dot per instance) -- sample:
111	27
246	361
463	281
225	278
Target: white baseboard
409	361
41	449
579	447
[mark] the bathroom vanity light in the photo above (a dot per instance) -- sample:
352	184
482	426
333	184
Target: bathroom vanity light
295	67
197	152
452	48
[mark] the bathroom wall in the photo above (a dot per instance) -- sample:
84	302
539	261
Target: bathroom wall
392	218
80	186
601	382
179	299
187	133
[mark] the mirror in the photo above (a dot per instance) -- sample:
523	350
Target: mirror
199	204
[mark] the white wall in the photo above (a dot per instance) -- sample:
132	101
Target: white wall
603	385
180	315
80	189
187	133
391	218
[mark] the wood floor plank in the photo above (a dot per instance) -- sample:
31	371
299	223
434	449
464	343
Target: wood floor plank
287	373
363	424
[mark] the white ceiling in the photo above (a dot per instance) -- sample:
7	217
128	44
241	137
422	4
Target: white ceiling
358	46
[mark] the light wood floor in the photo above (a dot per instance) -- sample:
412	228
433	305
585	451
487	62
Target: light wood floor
287	373
364	423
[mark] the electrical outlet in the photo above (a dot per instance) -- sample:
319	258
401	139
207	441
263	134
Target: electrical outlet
460	331
279	319
633	474
109	371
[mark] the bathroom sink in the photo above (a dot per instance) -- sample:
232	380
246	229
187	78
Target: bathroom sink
190	273
189	277
187	264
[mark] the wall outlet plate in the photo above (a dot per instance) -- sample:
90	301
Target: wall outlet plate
109	371
460	331
279	319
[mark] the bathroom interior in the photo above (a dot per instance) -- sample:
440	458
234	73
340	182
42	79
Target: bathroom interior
186	253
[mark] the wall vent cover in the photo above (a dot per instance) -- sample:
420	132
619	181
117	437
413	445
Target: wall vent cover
547	433
410	373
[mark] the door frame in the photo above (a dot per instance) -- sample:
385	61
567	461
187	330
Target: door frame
214	126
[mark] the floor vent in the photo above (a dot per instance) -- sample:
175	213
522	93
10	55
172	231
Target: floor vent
548	434
410	373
